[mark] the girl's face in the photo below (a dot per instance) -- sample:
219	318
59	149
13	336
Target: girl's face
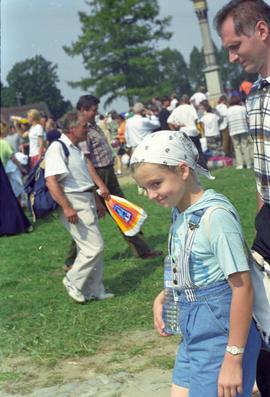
163	185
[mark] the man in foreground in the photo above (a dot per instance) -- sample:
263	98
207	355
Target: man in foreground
244	27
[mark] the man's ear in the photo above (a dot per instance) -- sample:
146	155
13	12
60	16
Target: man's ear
262	30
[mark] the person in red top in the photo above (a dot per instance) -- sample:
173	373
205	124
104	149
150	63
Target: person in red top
245	88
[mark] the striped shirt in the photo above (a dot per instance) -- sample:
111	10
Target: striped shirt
97	147
237	120
258	113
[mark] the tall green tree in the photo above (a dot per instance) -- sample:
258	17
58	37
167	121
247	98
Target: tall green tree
172	73
6	96
118	46
35	80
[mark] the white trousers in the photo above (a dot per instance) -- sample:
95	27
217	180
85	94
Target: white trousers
87	270
242	149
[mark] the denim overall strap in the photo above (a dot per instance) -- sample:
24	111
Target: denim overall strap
181	272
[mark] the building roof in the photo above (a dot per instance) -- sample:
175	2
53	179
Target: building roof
22	110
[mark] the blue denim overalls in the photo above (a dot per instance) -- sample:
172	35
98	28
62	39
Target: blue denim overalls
204	322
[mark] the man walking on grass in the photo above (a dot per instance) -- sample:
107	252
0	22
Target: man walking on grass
100	163
244	27
70	185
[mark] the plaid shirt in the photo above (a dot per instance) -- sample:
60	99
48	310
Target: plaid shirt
97	147
258	112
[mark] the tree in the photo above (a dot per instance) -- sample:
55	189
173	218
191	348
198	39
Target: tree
172	73
118	47
6	96
196	66
35	79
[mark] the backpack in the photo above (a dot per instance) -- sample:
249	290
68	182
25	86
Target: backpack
40	201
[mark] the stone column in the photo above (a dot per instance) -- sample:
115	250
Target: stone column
211	70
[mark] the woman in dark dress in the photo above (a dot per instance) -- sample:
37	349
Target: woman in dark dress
12	217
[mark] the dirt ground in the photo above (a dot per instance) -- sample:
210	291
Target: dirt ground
140	361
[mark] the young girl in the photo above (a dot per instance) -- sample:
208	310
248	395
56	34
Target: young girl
220	345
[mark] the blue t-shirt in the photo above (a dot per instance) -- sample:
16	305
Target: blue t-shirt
218	249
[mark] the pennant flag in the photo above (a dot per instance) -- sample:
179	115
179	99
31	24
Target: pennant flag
128	216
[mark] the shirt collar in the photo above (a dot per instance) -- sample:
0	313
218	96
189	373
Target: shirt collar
67	141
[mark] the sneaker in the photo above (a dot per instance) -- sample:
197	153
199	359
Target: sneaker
73	292
104	295
239	167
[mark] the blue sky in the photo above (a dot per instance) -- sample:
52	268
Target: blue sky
31	27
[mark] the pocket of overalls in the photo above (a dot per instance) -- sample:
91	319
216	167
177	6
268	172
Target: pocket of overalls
219	310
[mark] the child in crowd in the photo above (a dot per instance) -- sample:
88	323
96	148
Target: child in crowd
220	345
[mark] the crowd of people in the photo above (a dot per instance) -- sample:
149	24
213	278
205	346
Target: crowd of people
222	130
165	144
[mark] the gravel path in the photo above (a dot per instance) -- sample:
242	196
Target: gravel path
150	383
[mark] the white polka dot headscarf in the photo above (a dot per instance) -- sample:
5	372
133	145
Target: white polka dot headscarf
169	148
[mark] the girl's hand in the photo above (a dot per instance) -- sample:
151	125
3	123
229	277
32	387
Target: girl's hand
230	376
157	311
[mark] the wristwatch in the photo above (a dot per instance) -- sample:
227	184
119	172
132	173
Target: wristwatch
234	350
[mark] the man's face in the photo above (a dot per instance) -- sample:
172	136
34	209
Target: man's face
90	113
248	51
80	131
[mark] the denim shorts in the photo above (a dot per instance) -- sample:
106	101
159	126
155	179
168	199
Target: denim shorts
204	324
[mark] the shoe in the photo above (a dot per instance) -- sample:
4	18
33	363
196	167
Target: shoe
239	167
73	292
151	254
249	167
101	297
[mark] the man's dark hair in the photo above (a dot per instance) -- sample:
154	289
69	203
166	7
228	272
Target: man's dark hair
235	100
43	115
165	99
245	15
114	114
86	101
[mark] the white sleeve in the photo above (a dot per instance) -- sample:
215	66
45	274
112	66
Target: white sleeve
127	136
55	161
194	113
192	98
153	121
39	130
171	118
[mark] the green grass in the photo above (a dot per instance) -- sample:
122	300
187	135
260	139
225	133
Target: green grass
37	318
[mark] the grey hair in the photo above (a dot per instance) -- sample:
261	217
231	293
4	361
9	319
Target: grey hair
71	120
